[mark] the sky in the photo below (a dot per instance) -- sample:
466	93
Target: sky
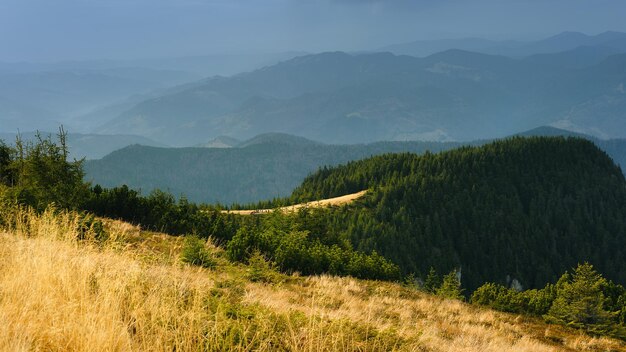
60	30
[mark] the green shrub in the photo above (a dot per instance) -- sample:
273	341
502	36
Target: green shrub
196	253
299	251
262	270
88	227
583	300
534	302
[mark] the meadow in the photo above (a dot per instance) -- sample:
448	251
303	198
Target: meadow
65	287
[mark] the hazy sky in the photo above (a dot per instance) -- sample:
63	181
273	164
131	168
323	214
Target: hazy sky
49	30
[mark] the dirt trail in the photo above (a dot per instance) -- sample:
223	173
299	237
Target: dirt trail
347	199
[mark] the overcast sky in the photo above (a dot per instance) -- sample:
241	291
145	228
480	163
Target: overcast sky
51	30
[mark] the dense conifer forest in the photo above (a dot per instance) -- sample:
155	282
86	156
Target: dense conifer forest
524	209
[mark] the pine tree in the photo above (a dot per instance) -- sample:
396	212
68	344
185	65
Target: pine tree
6	156
43	175
433	281
579	302
451	286
261	269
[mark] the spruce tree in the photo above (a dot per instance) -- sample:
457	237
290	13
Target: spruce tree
451	286
6	156
579	302
433	281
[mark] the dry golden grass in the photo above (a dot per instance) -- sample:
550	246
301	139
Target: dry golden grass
131	293
343	200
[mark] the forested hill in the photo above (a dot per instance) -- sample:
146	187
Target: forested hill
522	208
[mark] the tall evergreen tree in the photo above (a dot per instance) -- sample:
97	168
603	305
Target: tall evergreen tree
451	286
6	156
40	173
433	281
580	302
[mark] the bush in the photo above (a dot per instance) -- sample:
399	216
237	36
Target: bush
195	253
262	270
432	282
297	251
89	227
534	302
583	300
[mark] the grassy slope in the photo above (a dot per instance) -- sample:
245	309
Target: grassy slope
322	203
132	293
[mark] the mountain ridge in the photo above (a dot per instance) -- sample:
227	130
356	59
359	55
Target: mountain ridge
266	168
560	42
341	98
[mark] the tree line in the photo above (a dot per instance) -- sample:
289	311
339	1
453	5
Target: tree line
38	174
583	299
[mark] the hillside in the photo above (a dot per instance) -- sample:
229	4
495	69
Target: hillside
488	211
615	148
518	209
483	215
340	98
220	142
130	291
278	139
576	58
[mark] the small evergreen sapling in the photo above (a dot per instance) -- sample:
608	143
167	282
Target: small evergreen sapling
451	286
195	253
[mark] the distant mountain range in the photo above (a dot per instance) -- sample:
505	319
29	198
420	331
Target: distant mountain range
264	167
615	41
85	94
220	142
199	65
341	98
462	89
45	99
